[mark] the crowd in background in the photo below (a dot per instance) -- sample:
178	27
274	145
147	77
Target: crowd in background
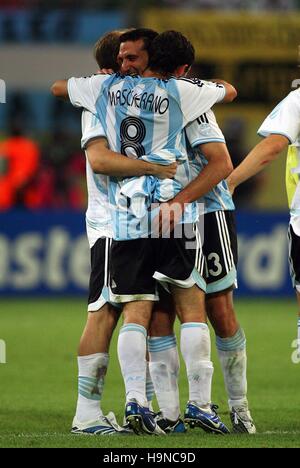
41	170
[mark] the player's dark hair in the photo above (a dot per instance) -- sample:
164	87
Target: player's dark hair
106	50
168	51
148	35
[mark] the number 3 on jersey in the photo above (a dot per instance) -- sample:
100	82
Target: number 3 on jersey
132	132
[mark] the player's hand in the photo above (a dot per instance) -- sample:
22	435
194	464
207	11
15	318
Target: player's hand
170	214
105	71
165	172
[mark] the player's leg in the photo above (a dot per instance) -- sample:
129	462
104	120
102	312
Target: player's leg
132	285
98	330
93	349
298	334
164	364
220	248
231	346
195	349
132	347
294	255
195	343
178	257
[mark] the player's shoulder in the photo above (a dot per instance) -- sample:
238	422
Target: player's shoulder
188	82
197	82
290	102
294	96
196	85
101	77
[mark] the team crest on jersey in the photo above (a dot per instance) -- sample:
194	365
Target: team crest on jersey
205	129
204	125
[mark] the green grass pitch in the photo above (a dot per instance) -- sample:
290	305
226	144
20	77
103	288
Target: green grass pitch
38	382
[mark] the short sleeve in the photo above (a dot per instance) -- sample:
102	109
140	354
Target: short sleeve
84	92
284	119
204	129
91	128
198	96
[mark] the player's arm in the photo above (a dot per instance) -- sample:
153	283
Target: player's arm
262	154
280	128
82	92
218	168
230	91
60	89
105	161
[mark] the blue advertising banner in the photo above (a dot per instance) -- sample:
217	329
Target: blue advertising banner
43	253
263	254
47	253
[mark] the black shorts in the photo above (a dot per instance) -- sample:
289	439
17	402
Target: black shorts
220	252
294	257
136	265
99	278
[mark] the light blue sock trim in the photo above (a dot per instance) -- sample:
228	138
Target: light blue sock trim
89	388
133	327
194	325
149	390
236	342
162	343
89	396
92	380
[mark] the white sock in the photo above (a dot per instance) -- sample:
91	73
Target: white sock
91	373
233	358
164	370
149	388
132	358
195	349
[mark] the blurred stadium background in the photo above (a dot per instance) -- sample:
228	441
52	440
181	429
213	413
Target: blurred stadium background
252	44
43	249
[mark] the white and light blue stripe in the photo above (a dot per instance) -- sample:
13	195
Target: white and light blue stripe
236	342
194	325
157	344
129	327
90	388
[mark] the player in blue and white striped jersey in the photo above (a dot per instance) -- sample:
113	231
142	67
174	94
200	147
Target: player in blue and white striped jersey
219	269
142	116
207	378
102	317
209	157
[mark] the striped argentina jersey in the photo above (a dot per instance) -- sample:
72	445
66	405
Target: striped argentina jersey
205	129
98	218
285	120
141	116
